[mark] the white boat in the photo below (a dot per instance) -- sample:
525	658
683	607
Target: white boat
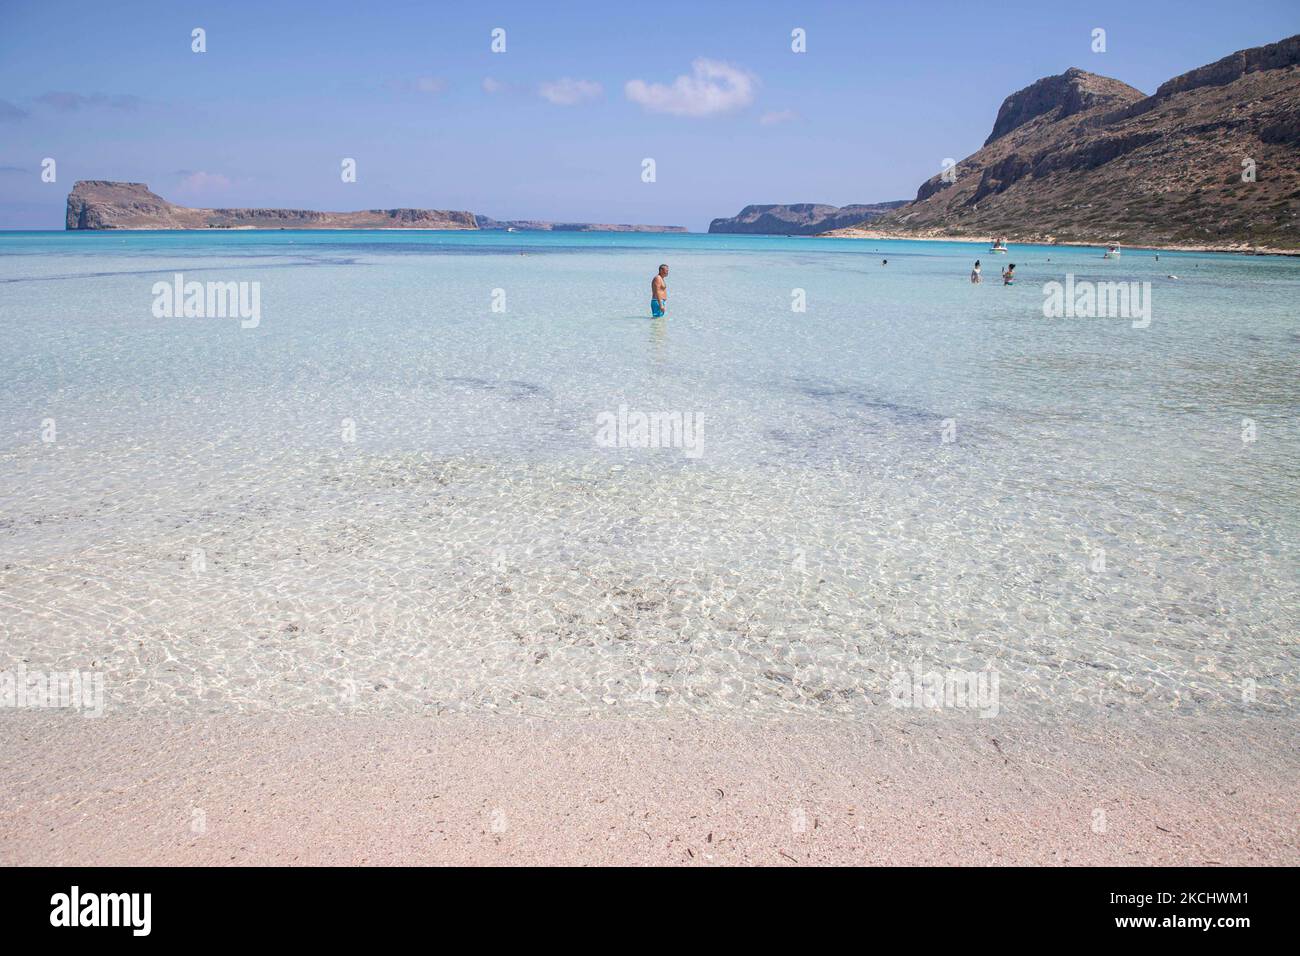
999	245
1112	251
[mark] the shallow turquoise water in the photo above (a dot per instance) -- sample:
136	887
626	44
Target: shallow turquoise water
914	469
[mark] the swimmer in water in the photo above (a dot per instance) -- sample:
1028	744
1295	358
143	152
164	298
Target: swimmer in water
975	276
659	293
1009	275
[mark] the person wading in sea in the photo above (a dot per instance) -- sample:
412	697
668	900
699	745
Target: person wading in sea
659	293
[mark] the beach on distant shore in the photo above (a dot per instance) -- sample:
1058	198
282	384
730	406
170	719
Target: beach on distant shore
938	236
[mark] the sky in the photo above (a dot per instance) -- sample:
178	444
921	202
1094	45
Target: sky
559	124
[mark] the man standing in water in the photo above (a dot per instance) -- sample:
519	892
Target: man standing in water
659	294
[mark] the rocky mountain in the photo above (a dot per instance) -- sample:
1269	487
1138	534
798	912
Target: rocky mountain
799	219
1211	159
1074	91
100	204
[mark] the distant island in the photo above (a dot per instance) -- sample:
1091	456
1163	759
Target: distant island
1211	160
800	219
537	225
102	204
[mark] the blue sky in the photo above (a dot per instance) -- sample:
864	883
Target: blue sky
550	129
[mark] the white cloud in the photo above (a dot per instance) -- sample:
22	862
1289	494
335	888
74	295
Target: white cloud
569	92
429	84
203	182
712	87
492	86
780	116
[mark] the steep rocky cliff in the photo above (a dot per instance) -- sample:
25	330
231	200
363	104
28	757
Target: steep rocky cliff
1074	91
1211	158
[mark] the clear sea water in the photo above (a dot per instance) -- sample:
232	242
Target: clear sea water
388	497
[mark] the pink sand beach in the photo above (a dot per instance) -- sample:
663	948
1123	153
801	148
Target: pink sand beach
467	790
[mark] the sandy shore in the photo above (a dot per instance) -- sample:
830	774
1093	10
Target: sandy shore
853	232
514	791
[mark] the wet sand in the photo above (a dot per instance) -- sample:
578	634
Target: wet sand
908	789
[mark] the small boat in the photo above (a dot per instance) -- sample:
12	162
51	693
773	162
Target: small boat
1112	251
999	245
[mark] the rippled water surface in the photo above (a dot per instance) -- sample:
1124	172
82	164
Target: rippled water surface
388	497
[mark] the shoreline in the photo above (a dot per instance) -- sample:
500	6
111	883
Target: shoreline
904	790
848	233
207	229
853	232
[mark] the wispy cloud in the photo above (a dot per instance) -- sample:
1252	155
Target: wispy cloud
428	85
778	116
67	102
493	86
570	92
9	113
712	87
199	182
